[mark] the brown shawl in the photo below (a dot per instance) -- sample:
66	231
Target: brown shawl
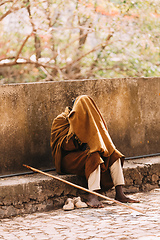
86	122
59	130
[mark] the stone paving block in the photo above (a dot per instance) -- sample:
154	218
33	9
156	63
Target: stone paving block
113	222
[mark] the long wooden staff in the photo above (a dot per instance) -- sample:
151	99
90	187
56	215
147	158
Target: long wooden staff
82	188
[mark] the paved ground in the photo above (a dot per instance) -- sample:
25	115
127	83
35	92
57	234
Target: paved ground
111	222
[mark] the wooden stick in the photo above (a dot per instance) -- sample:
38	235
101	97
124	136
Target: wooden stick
82	188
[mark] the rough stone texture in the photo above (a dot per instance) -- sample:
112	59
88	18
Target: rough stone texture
142	173
34	193
130	107
31	193
113	222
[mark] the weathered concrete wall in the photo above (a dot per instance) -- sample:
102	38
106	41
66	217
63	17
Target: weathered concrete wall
130	107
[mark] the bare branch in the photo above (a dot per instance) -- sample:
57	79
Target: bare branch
37	42
9	11
82	30
73	41
4	58
92	50
26	61
48	14
94	64
5	14
66	28
46	72
29	13
20	50
68	45
5	2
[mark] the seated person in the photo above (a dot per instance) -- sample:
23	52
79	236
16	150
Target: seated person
81	145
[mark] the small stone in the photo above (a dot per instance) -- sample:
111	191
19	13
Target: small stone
147	187
128	181
155	178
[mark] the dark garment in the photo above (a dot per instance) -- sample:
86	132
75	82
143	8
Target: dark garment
80	142
76	161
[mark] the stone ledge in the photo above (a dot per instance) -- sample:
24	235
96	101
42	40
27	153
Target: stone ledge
142	173
36	192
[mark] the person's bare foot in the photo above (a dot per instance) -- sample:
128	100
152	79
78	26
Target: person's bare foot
121	197
126	200
94	202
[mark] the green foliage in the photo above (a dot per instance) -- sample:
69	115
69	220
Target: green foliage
77	39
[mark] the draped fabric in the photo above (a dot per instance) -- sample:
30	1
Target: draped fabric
71	129
87	123
59	131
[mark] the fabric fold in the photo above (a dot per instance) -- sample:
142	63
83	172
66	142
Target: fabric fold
87	123
83	124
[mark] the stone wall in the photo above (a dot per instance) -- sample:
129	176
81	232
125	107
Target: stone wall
36	192
130	107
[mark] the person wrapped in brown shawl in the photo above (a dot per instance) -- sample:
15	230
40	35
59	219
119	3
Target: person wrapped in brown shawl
81	145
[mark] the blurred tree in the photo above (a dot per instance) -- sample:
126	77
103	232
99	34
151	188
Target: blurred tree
74	39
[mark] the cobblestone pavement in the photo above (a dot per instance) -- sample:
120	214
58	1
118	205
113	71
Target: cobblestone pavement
111	222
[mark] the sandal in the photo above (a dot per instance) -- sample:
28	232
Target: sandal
69	205
78	203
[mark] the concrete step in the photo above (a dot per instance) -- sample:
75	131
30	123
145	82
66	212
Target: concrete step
36	192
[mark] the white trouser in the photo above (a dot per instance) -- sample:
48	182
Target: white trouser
116	174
